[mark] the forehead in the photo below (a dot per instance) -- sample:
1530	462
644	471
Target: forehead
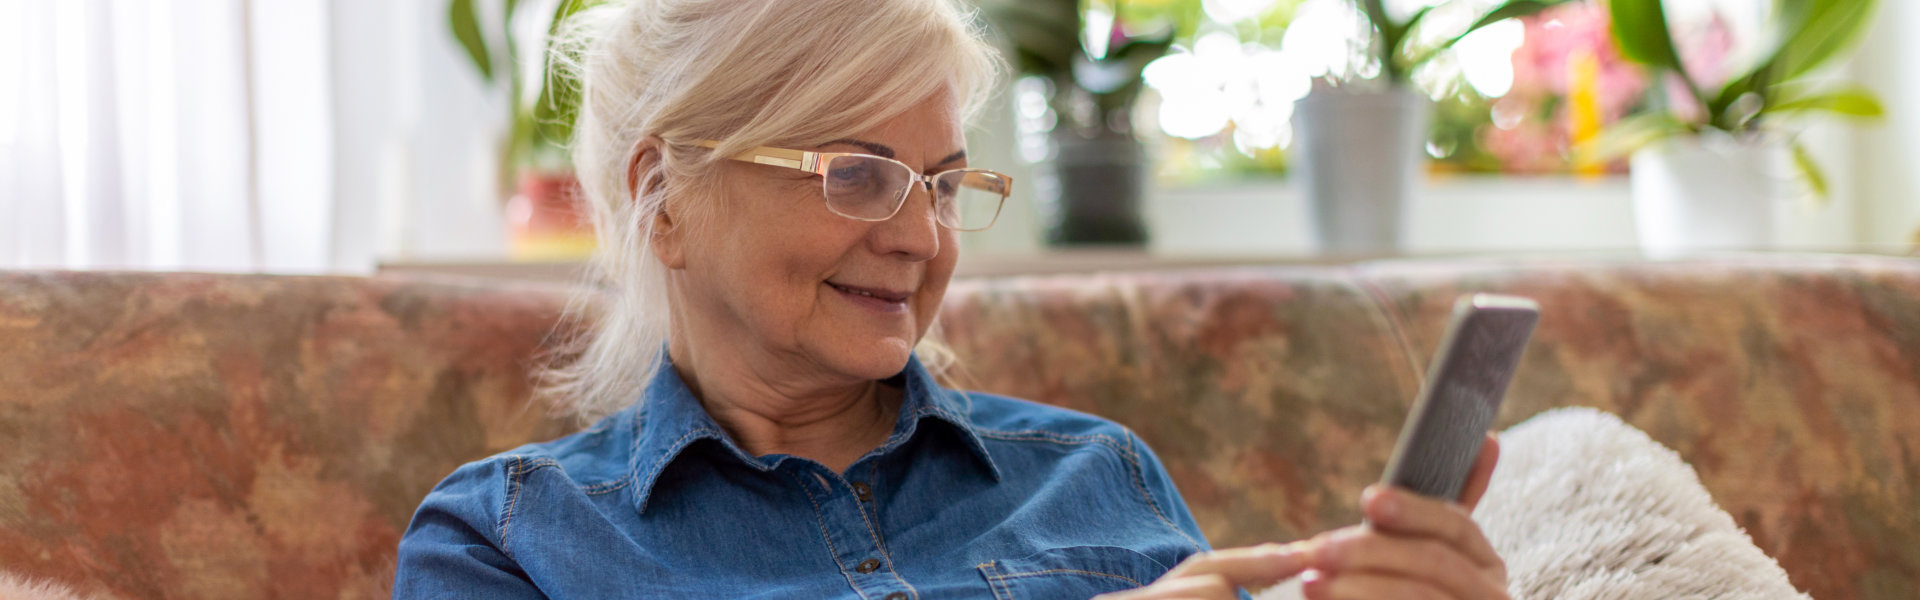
931	126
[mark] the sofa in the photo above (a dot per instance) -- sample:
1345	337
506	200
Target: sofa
249	436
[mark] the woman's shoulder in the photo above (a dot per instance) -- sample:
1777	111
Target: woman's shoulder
1008	418
591	456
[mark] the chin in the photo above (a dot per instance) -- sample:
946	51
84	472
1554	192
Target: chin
876	358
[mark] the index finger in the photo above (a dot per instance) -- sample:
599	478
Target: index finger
1249	567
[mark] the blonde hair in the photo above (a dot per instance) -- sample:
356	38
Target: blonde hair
748	73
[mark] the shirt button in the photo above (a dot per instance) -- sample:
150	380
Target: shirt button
897	596
861	491
868	566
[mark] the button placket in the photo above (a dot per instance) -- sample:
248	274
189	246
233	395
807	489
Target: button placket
847	524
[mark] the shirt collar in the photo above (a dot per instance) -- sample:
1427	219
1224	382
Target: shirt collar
670	419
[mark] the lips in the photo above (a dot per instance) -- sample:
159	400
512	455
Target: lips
882	294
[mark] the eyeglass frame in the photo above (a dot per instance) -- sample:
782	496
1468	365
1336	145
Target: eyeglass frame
816	163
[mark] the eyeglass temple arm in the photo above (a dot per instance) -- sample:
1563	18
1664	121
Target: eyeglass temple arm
779	157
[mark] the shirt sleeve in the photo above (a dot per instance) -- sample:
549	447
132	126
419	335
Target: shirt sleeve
1161	489
453	547
1165	496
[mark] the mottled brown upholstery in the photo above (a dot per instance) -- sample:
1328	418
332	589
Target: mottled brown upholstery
187	436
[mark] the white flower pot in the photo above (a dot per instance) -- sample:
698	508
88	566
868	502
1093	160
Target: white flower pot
1709	193
1357	158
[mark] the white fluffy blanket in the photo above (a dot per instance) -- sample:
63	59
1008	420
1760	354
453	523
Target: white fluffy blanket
1585	507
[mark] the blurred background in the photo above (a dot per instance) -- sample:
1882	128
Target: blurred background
354	136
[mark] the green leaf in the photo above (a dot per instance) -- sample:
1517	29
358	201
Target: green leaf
1816	178
1628	135
1640	29
1390	35
559	101
1818	31
1044	36
1513	9
1852	102
466	28
506	17
1812	32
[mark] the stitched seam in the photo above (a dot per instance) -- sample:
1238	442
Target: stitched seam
994	582
1140	484
821	516
1026	574
611	486
519	466
873	472
1057	438
615	485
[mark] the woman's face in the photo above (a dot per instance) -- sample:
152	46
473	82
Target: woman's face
773	273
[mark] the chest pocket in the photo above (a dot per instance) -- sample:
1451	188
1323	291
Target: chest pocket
1076	572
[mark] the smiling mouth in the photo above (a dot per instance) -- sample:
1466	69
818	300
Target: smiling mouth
882	295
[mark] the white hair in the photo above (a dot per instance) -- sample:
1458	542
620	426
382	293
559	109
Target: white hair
745	72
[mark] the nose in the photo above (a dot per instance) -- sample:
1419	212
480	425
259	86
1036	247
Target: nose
913	234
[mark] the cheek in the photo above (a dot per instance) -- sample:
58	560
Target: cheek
781	248
939	273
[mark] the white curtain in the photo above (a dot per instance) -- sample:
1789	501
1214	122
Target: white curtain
154	134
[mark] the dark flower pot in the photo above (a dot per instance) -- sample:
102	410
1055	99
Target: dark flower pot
1090	194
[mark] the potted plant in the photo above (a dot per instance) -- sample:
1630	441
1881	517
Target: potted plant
543	219
1092	188
1358	136
1707	171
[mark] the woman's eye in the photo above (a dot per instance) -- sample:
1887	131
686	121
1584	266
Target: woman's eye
851	176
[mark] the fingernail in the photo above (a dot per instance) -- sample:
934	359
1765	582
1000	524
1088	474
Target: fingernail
1385	504
1312	581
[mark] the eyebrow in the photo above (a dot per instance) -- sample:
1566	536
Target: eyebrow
884	151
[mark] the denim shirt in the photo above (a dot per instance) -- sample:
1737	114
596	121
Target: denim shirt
972	496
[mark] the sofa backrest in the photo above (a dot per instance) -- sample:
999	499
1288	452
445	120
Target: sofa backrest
186	435
239	436
1273	395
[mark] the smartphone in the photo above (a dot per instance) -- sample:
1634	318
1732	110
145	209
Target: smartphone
1462	394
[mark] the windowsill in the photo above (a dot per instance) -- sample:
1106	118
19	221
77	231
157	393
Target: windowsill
1267	222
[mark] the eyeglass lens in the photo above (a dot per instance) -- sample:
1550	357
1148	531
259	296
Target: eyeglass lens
871	188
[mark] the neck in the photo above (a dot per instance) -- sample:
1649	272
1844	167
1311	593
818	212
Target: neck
768	411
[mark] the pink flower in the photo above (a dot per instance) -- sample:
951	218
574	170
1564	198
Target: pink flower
1541	78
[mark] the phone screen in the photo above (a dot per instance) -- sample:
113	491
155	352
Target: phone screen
1462	394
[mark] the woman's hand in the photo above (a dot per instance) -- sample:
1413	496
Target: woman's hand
1412	547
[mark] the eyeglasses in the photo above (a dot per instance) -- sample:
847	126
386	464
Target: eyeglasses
865	187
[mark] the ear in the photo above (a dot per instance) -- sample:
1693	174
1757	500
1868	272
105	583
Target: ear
668	241
667	237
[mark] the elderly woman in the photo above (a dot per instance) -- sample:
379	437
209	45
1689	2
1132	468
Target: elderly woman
778	186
